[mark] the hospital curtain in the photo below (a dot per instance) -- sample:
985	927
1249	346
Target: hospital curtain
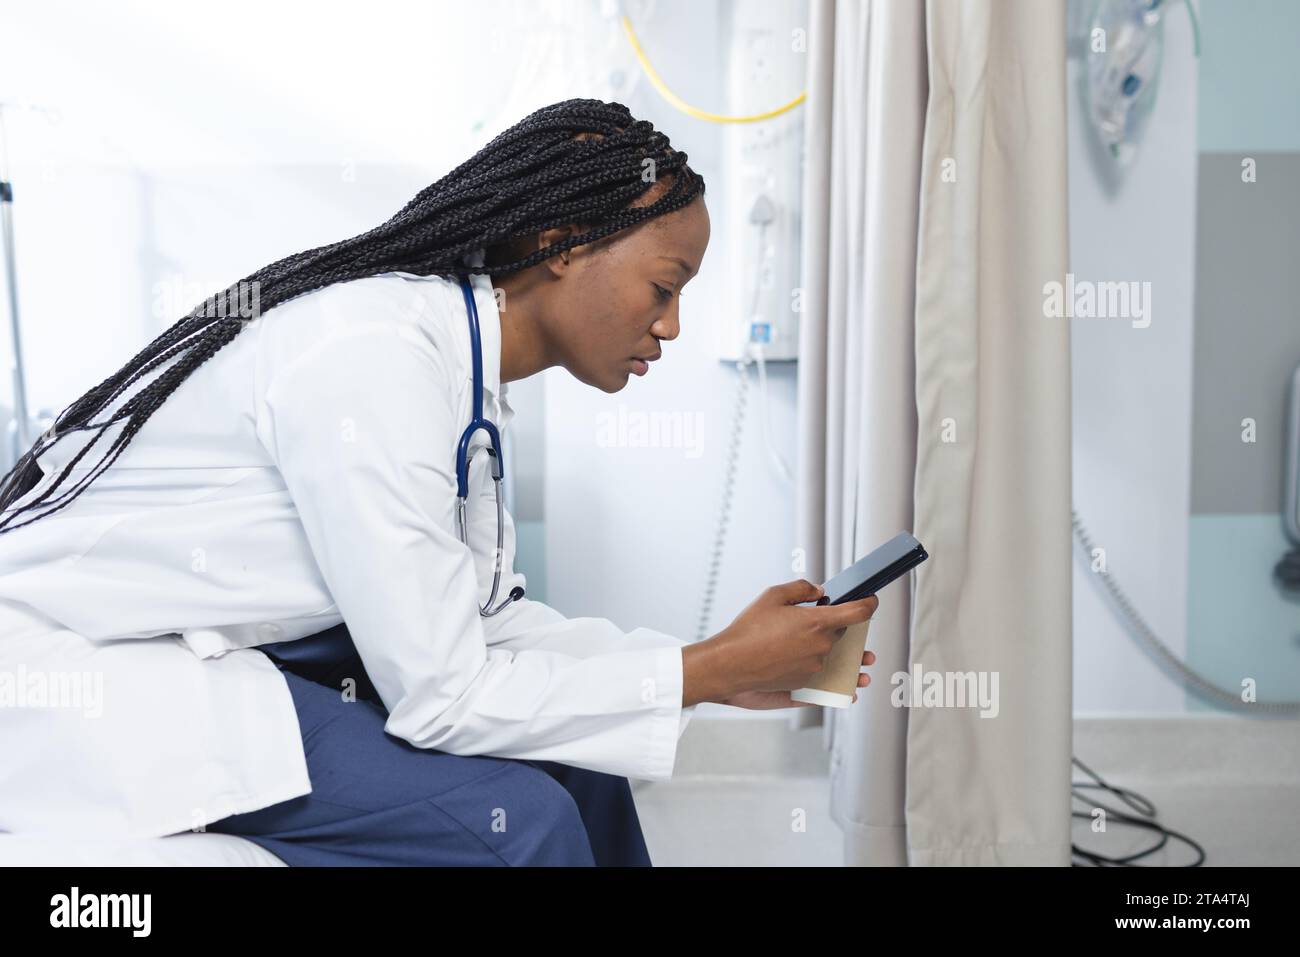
934	396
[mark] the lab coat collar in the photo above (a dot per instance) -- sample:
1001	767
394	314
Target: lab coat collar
489	321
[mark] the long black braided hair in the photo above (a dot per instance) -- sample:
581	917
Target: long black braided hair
580	161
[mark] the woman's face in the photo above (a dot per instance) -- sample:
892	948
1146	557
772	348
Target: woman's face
618	299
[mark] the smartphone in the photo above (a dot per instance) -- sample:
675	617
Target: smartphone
868	575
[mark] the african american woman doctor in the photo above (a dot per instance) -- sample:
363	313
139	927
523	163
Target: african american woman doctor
256	538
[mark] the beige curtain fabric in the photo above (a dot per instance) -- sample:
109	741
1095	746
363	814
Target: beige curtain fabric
857	413
934	396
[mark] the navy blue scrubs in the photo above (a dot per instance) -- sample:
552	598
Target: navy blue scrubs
379	800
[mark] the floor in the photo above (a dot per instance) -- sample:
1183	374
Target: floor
1240	801
739	822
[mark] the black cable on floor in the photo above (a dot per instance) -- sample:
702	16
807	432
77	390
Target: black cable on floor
1146	821
1287	571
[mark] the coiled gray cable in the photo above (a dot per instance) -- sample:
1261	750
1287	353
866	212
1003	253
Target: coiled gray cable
1141	631
728	484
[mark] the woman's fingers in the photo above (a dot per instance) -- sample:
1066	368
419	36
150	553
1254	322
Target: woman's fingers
848	613
868	658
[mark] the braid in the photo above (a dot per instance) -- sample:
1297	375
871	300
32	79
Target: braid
579	161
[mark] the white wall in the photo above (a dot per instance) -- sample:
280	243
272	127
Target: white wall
1132	388
201	141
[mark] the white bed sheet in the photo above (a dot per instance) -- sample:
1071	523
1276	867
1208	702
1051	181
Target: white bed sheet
177	850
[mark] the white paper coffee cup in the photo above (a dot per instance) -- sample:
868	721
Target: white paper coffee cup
837	682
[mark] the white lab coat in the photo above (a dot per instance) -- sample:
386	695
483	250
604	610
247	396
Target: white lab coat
302	476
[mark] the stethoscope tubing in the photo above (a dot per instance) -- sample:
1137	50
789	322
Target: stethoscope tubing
477	422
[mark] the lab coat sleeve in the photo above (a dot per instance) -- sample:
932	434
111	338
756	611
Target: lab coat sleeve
363	427
527	623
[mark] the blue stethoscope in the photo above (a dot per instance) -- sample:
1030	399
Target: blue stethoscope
477	422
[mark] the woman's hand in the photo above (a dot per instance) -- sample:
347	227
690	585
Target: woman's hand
769	700
777	644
